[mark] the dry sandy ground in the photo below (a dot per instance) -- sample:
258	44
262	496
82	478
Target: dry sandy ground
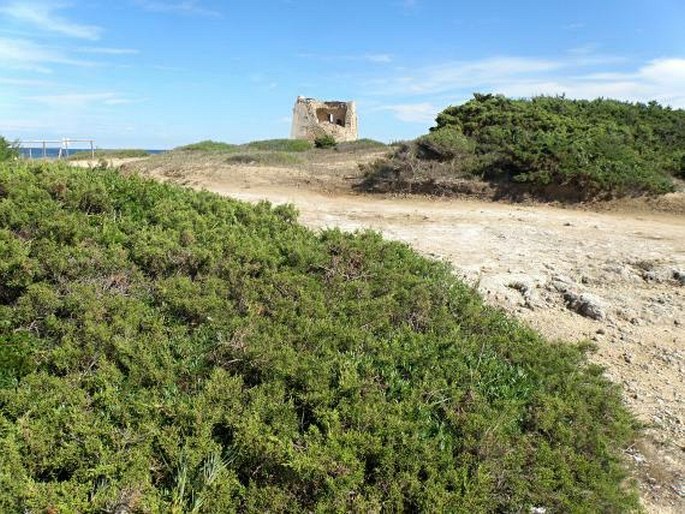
626	269
111	162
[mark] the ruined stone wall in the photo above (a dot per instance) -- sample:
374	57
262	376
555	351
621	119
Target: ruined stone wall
313	118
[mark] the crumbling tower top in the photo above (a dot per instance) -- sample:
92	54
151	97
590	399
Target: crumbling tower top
313	118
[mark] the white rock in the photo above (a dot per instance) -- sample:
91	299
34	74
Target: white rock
586	304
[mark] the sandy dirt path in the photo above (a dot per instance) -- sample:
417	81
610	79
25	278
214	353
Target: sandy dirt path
112	162
615	279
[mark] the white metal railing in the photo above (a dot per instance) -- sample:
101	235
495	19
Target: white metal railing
64	143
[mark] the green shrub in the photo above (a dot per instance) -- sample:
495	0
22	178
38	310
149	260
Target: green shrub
8	150
445	143
325	141
280	145
597	146
208	146
267	145
268	158
547	146
164	350
360	145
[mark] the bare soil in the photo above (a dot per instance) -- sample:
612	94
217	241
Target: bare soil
112	162
626	258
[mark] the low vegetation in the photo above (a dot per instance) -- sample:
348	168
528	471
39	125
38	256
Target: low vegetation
164	350
267	145
265	158
208	146
108	154
361	144
280	145
546	146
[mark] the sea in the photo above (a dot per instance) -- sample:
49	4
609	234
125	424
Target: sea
53	153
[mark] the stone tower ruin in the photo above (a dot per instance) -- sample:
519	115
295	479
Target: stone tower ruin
313	118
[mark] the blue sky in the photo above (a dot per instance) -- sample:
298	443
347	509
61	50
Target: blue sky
161	73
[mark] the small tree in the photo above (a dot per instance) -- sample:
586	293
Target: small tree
8	150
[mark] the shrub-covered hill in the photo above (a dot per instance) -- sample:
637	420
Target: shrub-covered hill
548	146
164	350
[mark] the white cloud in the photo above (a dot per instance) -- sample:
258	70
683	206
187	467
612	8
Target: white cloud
423	112
178	7
30	126
43	16
110	51
665	71
576	74
660	79
448	76
623	89
171	69
24	54
69	100
379	58
25	82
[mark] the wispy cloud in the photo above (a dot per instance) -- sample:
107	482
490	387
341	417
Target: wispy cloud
380	58
23	54
448	76
665	71
45	16
178	7
660	79
172	69
423	112
415	93
26	82
109	51
30	126
80	99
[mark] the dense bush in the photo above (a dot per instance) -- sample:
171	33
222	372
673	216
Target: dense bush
325	141
163	350
592	148
443	144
